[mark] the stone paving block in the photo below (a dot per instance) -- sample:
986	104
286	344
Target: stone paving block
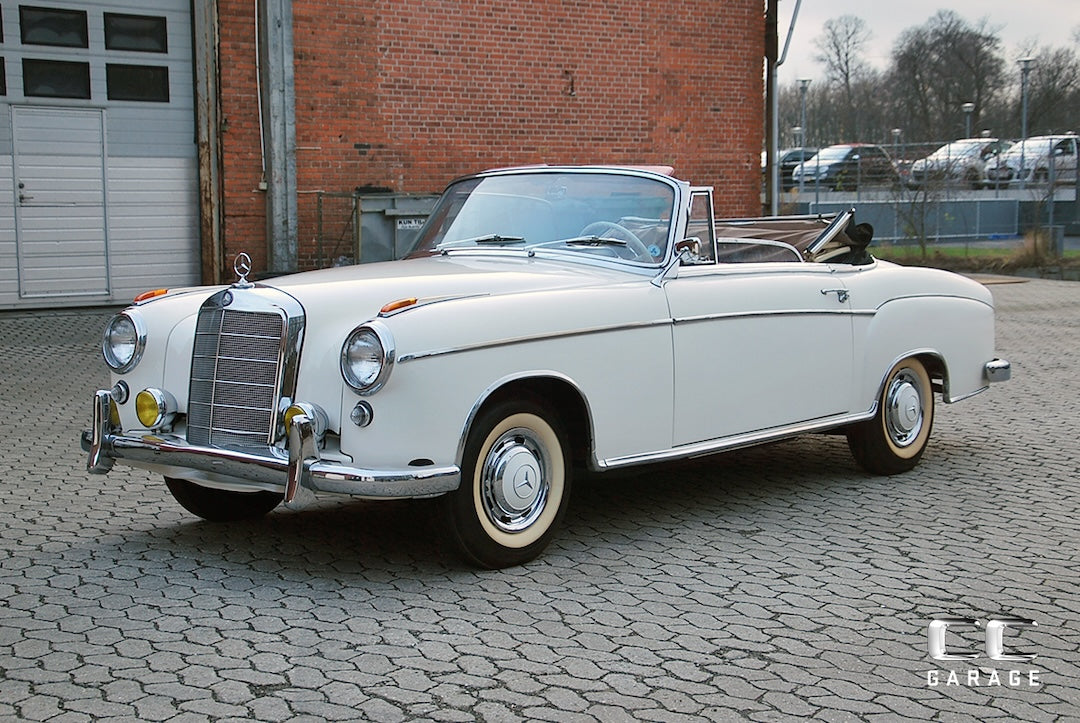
764	584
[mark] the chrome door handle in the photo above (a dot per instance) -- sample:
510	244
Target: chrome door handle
841	294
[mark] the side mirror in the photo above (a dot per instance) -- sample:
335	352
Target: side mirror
691	244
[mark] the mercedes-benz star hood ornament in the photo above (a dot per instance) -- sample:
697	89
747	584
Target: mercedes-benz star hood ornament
242	267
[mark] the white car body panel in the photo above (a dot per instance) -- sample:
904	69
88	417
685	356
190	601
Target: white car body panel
644	358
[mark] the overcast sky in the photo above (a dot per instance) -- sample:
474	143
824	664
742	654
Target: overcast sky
1048	22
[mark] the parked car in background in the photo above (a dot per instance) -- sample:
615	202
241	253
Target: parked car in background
962	161
551	319
787	160
846	167
1036	160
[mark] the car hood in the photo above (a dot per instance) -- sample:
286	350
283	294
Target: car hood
364	289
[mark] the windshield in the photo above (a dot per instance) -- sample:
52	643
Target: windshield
1031	147
602	214
958	149
832	153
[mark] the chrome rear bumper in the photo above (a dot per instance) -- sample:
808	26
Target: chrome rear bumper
298	466
998	370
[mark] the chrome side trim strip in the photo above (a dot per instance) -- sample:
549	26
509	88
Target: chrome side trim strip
700	449
935	295
405	358
775	312
953	400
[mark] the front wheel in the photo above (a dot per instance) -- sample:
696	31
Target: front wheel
216	505
515	485
895	439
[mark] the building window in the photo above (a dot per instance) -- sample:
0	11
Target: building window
137	82
3	78
142	33
52	26
56	78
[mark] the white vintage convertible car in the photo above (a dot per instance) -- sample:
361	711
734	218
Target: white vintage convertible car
551	318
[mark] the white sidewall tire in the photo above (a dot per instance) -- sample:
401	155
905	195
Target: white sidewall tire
555	475
894	440
916	373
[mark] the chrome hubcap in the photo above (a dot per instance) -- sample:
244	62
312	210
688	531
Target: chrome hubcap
904	409
513	484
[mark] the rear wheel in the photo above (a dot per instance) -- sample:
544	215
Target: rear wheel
894	440
216	505
515	485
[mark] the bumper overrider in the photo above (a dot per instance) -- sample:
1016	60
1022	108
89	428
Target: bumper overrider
297	467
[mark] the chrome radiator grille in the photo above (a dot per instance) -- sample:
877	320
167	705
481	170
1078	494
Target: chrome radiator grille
236	377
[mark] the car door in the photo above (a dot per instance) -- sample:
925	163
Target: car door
1065	160
758	346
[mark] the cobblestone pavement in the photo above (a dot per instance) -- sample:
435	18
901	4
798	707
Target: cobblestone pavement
767	584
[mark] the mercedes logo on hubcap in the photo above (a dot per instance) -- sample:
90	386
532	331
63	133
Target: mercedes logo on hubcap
523	483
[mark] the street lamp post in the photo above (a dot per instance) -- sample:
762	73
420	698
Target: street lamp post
896	157
968	108
896	145
1025	69
804	83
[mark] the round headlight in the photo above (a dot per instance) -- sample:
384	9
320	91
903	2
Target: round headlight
367	357
125	337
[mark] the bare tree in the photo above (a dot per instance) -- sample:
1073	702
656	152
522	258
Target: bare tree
935	68
939	66
1054	90
842	44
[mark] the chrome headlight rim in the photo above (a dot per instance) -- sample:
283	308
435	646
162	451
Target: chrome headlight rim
384	354
118	365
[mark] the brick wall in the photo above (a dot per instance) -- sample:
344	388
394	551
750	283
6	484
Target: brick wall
406	95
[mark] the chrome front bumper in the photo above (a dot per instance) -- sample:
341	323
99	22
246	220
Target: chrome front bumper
262	468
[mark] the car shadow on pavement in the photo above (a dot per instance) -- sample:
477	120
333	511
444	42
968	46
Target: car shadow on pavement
340	539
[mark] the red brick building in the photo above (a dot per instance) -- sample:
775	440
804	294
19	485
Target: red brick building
297	104
407	95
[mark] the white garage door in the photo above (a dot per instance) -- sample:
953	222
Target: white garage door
98	163
60	227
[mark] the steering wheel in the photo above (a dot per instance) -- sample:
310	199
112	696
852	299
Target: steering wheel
599	228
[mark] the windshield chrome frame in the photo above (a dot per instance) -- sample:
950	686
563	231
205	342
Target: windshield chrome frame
680	197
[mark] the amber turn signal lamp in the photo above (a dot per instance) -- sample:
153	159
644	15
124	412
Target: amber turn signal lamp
144	296
399	304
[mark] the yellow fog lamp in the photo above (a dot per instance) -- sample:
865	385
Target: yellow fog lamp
311	411
155	408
